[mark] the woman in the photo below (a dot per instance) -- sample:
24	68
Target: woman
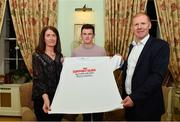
47	66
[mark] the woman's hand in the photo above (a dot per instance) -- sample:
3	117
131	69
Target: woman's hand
46	105
62	60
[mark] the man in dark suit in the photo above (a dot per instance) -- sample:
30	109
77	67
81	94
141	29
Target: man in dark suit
143	73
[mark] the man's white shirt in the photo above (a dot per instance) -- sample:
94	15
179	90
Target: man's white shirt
132	61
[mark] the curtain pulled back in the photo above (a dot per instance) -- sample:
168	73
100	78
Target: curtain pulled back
2	12
118	17
168	15
29	17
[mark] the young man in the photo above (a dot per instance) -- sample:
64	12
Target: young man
89	49
143	73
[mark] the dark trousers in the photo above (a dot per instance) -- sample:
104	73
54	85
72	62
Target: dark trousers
93	116
130	115
41	116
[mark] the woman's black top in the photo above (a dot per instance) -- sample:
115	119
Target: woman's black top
46	74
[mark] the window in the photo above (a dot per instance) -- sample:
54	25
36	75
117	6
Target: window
11	58
151	11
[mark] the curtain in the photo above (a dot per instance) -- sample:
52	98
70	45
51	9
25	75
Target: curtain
2	11
118	16
118	35
29	17
168	15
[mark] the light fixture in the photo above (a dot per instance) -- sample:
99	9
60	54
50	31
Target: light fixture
84	8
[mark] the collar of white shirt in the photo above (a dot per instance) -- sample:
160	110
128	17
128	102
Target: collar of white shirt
143	41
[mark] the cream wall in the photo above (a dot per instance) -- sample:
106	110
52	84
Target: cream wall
67	18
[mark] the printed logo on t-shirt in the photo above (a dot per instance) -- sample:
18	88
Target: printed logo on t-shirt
84	72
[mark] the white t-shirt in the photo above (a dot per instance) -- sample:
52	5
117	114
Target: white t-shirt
87	85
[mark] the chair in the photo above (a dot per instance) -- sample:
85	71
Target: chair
27	112
167	95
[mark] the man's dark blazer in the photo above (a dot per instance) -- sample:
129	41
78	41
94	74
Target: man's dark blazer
147	80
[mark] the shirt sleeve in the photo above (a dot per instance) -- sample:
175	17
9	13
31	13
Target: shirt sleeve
39	77
116	62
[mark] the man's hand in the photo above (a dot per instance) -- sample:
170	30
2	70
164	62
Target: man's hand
127	102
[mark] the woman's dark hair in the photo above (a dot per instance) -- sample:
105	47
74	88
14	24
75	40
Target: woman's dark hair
42	45
88	26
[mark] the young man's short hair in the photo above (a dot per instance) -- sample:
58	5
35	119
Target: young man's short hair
88	26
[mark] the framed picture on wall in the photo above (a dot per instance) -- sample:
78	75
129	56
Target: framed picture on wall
77	32
77	38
